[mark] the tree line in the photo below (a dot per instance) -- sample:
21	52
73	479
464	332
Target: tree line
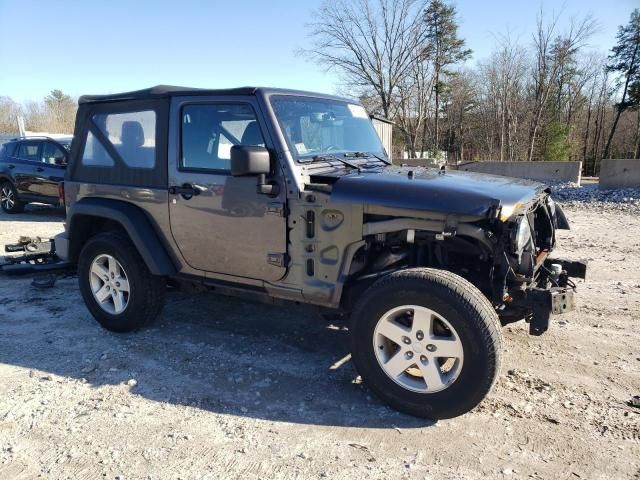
56	113
552	97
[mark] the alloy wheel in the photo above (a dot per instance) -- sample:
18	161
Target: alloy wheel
7	198
109	284
418	349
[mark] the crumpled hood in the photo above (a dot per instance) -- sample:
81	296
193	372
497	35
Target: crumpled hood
463	193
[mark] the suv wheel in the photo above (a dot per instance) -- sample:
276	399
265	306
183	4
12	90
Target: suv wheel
116	285
427	342
9	199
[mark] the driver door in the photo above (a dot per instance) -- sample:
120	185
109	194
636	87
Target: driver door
219	222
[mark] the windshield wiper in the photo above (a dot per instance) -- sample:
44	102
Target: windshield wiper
341	160
367	154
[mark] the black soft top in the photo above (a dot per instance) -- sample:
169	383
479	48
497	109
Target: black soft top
166	91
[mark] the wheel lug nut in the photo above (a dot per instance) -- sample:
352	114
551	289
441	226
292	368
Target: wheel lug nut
409	355
406	340
419	335
431	347
423	359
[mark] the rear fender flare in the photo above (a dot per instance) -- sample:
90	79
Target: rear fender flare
134	222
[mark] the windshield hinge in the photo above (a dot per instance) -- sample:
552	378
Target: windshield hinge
277	208
277	259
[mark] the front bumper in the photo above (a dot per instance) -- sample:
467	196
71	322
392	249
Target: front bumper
557	299
544	302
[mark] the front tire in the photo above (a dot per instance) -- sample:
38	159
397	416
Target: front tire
117	287
427	342
9	199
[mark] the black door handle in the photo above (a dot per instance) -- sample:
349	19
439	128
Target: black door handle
11	166
39	169
187	190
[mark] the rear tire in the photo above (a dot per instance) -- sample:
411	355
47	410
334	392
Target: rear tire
116	285
427	342
9	199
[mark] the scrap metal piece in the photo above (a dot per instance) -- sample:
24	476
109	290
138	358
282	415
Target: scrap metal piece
45	281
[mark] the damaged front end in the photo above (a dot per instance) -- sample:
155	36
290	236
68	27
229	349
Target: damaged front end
534	284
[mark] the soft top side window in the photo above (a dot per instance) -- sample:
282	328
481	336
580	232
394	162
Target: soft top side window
121	143
95	155
132	134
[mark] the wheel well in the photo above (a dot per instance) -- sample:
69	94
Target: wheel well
86	226
462	255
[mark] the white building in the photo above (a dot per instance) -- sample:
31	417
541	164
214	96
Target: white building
384	128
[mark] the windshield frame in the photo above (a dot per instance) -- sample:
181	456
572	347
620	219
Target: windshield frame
302	159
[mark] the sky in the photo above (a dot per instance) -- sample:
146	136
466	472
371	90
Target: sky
99	46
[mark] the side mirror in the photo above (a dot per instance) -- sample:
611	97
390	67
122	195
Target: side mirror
60	160
249	160
252	160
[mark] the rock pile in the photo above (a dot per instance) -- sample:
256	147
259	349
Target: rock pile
590	197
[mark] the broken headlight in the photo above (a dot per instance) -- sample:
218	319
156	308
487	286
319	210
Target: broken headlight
523	234
552	208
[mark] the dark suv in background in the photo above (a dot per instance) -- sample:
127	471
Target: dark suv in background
31	170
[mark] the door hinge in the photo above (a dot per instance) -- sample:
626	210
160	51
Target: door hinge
276	208
277	259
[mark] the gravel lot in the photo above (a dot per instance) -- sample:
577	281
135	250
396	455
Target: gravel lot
225	389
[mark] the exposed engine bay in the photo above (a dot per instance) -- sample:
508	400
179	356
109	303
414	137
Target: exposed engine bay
506	258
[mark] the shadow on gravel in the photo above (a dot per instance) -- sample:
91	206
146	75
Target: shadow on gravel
35	213
219	354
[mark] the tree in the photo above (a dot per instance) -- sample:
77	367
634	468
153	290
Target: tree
444	47
371	43
500	89
625	61
553	53
61	111
9	113
552	100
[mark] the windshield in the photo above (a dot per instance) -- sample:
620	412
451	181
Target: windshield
315	127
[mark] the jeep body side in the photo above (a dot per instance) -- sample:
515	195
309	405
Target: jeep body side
286	194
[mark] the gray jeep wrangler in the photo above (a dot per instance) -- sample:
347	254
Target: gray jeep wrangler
278	194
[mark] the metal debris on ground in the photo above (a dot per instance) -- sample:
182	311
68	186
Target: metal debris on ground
38	256
44	281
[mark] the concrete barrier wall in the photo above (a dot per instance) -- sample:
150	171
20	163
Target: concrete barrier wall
416	162
540	171
619	174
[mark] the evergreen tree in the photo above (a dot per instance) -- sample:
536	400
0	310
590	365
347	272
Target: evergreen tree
625	61
444	48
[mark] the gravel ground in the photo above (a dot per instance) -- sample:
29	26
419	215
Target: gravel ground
589	197
219	388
